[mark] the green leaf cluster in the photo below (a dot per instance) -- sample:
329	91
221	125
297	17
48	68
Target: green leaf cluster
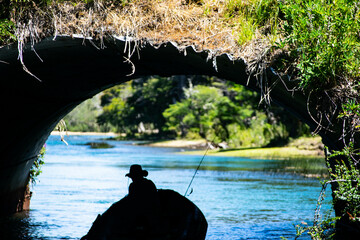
323	37
351	111
347	179
35	170
7	31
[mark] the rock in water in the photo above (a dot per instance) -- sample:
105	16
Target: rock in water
96	145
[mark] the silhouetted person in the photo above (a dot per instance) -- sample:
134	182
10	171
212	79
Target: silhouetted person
140	186
143	197
146	213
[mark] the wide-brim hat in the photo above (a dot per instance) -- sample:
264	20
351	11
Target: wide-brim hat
136	170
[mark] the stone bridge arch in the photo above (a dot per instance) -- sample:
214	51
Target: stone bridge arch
73	69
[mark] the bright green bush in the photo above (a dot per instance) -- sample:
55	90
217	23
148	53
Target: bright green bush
196	112
323	37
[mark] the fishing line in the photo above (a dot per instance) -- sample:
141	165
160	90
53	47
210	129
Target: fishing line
197	169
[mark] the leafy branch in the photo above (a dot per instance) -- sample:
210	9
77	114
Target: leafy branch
35	170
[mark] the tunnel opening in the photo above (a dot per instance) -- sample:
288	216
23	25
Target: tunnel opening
72	71
114	186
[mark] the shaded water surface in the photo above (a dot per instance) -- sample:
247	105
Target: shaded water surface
241	198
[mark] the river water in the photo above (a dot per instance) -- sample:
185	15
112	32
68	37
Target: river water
240	198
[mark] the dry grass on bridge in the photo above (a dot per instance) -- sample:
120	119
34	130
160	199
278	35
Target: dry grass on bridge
207	25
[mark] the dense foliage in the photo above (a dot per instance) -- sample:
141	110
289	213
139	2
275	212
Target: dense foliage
195	107
323	37
7	31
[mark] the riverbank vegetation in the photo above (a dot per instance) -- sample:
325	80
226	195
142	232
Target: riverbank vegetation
301	148
188	107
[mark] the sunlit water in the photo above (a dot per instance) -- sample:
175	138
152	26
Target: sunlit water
240	198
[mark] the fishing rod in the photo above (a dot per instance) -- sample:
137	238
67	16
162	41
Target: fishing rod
197	169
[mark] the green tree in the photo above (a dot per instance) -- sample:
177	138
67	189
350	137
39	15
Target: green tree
113	102
195	113
138	105
113	115
206	112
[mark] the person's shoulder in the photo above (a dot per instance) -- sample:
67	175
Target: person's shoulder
148	181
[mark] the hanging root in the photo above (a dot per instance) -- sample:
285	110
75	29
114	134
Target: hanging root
29	21
257	68
61	127
127	60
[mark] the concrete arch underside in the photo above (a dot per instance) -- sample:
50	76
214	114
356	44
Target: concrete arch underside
71	70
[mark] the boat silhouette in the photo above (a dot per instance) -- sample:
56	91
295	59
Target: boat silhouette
168	216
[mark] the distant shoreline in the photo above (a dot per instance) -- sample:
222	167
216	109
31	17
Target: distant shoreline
302	150
57	133
278	153
178	143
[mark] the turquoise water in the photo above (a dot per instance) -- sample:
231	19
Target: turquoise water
241	198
